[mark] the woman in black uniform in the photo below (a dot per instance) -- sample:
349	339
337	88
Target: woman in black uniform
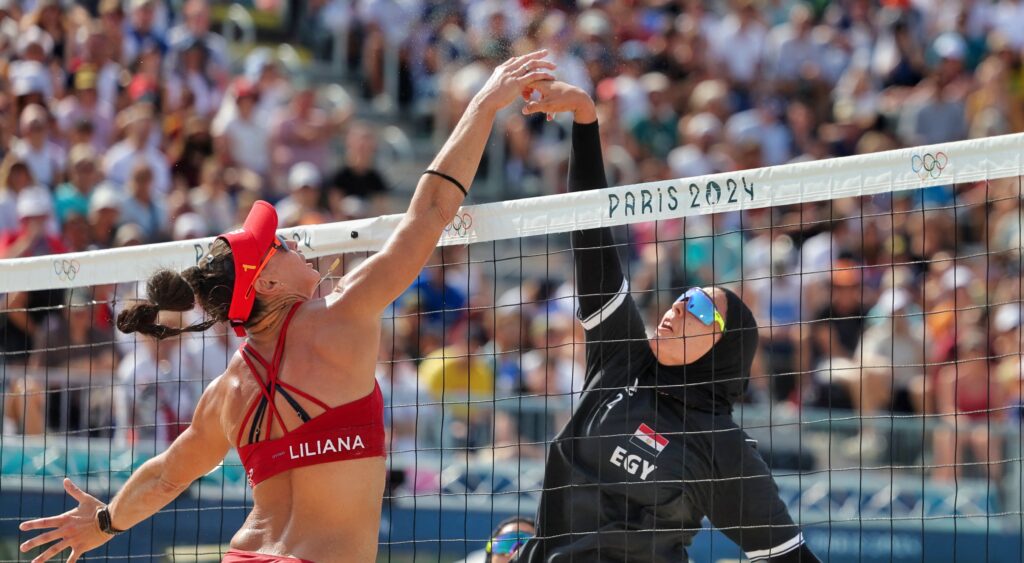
652	447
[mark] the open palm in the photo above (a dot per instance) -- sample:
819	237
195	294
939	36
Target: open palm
76	529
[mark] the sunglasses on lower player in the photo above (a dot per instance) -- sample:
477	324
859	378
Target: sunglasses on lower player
507	543
701	306
278	245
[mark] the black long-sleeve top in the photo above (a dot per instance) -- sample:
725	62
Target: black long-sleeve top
630	476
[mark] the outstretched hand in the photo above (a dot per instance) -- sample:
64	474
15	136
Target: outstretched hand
513	77
76	529
557	97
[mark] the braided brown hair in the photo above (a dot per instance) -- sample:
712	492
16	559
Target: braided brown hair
210	282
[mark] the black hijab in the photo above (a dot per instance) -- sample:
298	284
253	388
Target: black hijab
720	377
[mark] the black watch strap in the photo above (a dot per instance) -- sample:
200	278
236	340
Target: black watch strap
104	521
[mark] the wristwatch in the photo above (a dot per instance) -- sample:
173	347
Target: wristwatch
103	519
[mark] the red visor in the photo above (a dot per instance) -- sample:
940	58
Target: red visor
251	247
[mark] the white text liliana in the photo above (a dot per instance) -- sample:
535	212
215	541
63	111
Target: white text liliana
326	445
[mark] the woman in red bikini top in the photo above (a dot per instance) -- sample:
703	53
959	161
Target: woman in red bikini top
299	400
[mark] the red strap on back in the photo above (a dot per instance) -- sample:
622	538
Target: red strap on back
276	371
263	391
269	390
257	356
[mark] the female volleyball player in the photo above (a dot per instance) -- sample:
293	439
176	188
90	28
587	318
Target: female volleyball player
652	447
299	400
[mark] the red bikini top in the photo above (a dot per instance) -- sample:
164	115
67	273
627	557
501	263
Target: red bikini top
350	431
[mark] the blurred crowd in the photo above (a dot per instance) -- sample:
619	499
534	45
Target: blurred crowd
689	87
134	122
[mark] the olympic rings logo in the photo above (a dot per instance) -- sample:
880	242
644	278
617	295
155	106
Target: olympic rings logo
929	165
66	270
460	225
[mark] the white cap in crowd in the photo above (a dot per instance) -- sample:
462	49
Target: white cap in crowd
304	174
190	226
29	77
105	196
34	202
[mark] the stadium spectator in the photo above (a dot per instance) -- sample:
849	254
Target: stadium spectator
192	82
191	147
141	33
105	216
33	236
74	228
84	104
189	226
83	176
159	387
210	199
44	157
142	206
397	376
25	311
15	176
138	123
35	45
739	44
245	136
834	333
655	131
359	175
967	396
98	55
301	131
31	84
461	379
196	28
77	347
302	205
892	353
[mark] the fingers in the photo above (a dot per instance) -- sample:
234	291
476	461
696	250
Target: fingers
516	62
50	522
76	493
50	553
41	539
73	557
542	106
543	87
532	65
535	77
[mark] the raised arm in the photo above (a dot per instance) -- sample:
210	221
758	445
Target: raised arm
159	481
614	327
600	283
378	281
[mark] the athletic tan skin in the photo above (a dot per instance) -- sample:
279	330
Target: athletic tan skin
329	512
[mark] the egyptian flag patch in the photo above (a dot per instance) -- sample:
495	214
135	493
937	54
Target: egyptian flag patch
648	440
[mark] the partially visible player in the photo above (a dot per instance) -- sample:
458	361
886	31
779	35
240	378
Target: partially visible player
508	537
299	401
652	447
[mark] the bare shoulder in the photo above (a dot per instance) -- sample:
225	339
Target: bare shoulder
225	390
339	309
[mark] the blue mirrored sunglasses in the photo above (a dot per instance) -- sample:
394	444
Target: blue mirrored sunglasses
700	305
508	543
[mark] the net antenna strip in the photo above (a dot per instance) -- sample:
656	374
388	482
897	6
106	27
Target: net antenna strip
959	162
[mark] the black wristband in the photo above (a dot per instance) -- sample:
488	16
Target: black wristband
105	522
449	178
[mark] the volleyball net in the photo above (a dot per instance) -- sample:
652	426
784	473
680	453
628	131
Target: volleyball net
886	394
